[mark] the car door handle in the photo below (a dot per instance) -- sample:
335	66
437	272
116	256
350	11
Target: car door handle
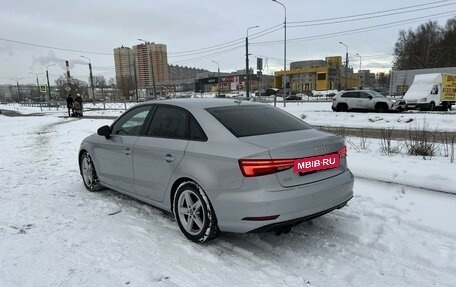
127	151
168	158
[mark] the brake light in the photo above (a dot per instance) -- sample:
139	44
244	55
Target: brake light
343	151
257	167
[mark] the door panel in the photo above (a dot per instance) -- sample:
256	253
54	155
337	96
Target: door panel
114	158
114	154
158	154
154	162
364	102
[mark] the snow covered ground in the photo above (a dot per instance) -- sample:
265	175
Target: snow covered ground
398	230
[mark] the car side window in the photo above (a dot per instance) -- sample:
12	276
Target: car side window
196	132
350	95
364	95
132	122
169	122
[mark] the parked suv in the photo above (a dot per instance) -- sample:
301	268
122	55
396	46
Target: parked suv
365	100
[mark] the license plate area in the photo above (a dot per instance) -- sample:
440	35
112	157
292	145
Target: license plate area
316	163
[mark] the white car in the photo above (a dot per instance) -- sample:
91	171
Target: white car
365	100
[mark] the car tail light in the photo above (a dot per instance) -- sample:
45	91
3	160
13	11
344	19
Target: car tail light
257	167
342	152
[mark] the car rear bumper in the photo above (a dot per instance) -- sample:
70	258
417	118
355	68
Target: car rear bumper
258	208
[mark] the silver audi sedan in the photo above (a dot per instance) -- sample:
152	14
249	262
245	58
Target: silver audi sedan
220	165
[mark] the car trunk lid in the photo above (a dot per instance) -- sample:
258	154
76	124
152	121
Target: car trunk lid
298	145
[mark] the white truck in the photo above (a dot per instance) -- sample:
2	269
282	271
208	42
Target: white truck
429	91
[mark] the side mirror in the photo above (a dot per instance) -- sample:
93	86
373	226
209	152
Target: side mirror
370	97
104	131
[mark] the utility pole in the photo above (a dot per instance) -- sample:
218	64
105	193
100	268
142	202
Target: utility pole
284	81
152	72
47	78
18	91
361	83
91	77
136	80
37	83
218	77
247	70
346	64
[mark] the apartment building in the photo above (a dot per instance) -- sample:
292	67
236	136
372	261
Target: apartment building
124	62
151	60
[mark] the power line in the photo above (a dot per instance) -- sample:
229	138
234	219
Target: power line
54	48
223	45
369	17
370	13
354	31
208	56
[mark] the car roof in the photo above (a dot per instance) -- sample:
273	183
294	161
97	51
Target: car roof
201	103
364	90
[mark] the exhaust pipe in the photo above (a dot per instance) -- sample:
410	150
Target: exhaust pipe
283	230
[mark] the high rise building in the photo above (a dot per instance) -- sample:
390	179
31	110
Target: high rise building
124	62
151	59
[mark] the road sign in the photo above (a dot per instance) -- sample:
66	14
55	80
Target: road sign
43	88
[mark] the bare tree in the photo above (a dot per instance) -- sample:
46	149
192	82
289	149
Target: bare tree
99	82
448	46
74	86
383	80
425	47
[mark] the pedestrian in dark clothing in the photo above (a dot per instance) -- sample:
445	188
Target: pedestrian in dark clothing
70	104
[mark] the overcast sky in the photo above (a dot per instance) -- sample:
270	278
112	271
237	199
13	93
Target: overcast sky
36	34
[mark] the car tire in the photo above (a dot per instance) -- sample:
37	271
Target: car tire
88	173
194	213
342	108
381	108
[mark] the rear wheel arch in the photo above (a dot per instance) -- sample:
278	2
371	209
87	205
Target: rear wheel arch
174	188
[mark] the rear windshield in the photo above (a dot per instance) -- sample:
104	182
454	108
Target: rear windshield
252	120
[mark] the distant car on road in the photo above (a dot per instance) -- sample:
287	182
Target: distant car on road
366	100
294	98
220	165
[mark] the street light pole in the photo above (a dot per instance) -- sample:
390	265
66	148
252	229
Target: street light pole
247	72
37	82
359	76
18	89
284	55
136	80
151	67
47	78
346	63
38	87
218	77
91	77
358	55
